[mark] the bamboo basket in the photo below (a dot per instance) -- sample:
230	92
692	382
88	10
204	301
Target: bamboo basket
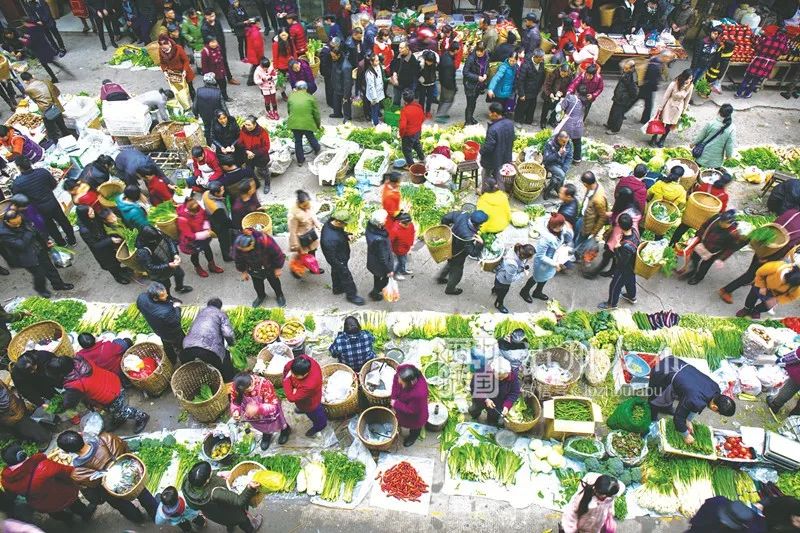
169	227
688	180
266	354
152	142
128	259
137	489
152	51
258	218
524	427
167	131
186	383
377	414
347	407
108	192
491	264
607	46
157	382
565	359
374	399
313	62
242	469
700	206
443	252
530	176
526	197
547	45
656	226
47	330
640	267
16	408
765	250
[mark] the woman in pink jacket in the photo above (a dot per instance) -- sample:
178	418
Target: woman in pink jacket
410	401
253	400
591	509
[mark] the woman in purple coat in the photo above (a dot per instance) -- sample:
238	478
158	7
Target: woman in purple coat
299	70
410	401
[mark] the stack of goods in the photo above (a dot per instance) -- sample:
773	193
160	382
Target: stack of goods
793	54
743	51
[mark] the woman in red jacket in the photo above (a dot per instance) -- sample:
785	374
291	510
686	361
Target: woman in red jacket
255	141
302	384
158	190
175	64
194	236
401	236
282	51
255	48
715	189
47	486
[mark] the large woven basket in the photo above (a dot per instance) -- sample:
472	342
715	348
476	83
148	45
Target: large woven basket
16	409
569	359
167	131
489	265
547	45
765	250
656	226
258	218
607	46
152	142
157	382
700	206
109	190
128	259
48	331
641	268
242	469
374	399
530	176
688	180
347	407
169	227
313	62
444	251
137	489
186	383
267	353
526	197
377	414
524	427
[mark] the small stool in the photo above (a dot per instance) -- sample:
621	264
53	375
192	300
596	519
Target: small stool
467	170
777	177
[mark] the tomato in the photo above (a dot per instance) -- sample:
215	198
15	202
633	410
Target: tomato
728	446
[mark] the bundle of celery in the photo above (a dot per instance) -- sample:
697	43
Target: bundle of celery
341	476
484	461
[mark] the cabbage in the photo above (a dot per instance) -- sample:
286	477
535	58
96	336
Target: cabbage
542	452
457	157
519	219
535	444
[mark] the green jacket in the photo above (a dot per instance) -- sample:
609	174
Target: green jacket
5	335
303	112
217	503
720	148
192	34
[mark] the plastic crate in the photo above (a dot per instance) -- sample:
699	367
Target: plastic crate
375	178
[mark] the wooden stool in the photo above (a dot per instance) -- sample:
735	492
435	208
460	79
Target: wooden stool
777	177
467	170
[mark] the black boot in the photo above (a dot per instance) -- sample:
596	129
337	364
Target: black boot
283	438
266	440
500	307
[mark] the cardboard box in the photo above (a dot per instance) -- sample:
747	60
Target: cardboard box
559	429
429	8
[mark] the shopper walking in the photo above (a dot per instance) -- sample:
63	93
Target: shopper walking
162	313
194	231
555	87
501	86
402	236
303	226
102	245
258	257
254	140
38	185
255	48
573	121
447	81
716	189
530	79
335	244
717	139
466	241
593	85
207	101
623	272
626	92
624	202
704	51
497	149
475	74
302	384
769	47
303	119
39	12
652	80
380	261
674	104
719	239
45	95
341	85
516	264
215	205
776	282
412	116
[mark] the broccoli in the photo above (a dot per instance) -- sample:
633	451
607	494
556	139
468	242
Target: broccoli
169	440
625	478
592	465
615	467
636	475
134	445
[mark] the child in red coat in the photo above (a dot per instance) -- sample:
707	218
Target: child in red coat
401	236
158	189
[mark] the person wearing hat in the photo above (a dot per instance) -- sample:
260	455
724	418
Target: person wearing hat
303	119
258	257
531	35
402	235
335	244
297	33
45	484
530	79
466	241
380	261
208	99
721	515
26	247
494	390
705	50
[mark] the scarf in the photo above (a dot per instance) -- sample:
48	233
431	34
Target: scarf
176	510
167	56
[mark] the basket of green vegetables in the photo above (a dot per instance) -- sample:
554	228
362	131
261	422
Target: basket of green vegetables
439	240
768	240
165	217
630	447
583	448
661	216
524	414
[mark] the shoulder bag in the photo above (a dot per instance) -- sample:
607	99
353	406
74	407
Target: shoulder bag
698	148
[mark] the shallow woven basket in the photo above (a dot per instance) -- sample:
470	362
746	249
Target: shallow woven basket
41	331
530	176
186	383
137	489
109	190
373	399
377	414
527	197
524	427
258	218
266	355
656	226
169	227
167	131
546	45
567	359
700	206
641	268
152	142
128	259
347	407
490	264
242	469
157	382
443	252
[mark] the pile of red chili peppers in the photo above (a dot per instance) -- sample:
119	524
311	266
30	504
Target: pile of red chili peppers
403	482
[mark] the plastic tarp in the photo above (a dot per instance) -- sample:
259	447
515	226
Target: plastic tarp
424	467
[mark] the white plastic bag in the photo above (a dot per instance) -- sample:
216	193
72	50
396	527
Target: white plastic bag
391	293
748	378
772	377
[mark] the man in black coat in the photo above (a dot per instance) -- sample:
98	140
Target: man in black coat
40	13
163	315
212	28
335	244
466	241
38	184
27	248
404	71
342	84
652	78
380	261
625	95
497	149
531	35
158	254
447	80
207	100
326	67
97	172
530	79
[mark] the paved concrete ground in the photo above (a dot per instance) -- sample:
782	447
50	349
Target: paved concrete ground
769	118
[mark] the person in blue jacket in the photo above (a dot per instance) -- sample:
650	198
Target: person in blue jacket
466	241
130	207
501	87
556	159
129	161
674	379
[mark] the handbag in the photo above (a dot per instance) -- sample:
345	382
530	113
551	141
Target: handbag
697	149
52	113
656	126
308	238
564	119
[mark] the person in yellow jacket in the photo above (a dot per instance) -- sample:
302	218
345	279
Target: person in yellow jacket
776	282
669	188
494	203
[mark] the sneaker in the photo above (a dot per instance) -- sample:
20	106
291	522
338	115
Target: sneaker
141	424
606	306
184	289
408	272
725	296
629	299
399	277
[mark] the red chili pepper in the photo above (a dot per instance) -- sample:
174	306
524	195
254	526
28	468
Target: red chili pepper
403	482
